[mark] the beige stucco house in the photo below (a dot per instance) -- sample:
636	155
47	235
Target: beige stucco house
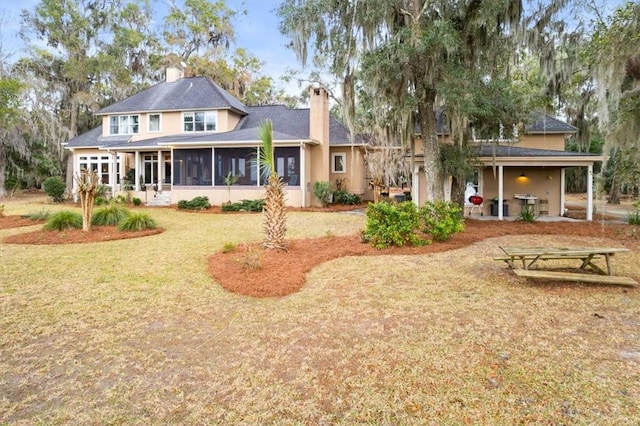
180	138
528	172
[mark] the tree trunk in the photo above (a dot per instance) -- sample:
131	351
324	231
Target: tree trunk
432	164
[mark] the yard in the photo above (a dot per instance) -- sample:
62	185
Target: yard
137	331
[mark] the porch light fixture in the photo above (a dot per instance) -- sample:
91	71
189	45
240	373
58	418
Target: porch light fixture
522	178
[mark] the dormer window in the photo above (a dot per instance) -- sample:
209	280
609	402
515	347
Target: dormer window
200	121
124	124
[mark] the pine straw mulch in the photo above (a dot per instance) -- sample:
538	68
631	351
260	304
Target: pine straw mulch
254	271
75	236
12	221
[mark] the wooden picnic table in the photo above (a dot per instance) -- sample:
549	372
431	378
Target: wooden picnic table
531	257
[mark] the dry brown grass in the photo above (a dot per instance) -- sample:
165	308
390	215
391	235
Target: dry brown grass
136	332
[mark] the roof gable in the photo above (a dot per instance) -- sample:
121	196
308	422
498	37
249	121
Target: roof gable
192	93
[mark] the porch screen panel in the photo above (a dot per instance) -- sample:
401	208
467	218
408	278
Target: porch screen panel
239	162
287	166
192	167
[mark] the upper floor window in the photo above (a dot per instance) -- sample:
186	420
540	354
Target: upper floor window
338	162
154	122
199	121
124	124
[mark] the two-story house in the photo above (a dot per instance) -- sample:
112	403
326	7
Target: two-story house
184	136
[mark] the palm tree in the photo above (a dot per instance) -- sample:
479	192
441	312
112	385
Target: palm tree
275	226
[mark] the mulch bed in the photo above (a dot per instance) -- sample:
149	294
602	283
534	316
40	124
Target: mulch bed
75	236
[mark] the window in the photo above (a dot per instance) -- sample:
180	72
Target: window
101	164
199	121
124	124
339	162
192	167
239	162
154	122
288	165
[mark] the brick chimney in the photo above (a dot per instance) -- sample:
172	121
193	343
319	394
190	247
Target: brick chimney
319	131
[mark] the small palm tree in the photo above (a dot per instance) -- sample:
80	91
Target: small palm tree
274	204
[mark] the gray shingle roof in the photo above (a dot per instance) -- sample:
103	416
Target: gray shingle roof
487	150
541	123
94	139
181	95
545	124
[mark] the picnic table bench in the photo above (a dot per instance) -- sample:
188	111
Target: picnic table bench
531	256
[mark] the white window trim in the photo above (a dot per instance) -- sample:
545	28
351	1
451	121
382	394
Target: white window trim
159	122
215	114
118	117
344	162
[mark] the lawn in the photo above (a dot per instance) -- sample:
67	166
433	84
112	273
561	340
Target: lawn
137	331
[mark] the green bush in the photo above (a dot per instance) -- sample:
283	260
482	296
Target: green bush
322	191
392	224
198	203
64	220
244	206
136	201
345	197
527	215
228	247
137	221
634	215
54	187
109	215
441	219
41	215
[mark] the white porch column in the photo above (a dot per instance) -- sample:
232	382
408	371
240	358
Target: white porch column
136	184
303	175
160	168
415	185
113	172
590	192
500	190
562	198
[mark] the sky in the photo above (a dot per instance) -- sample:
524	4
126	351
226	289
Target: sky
257	32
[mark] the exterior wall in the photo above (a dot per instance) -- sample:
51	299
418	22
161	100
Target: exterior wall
551	141
171	124
354	175
542	182
220	195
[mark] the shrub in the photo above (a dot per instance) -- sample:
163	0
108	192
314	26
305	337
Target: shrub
137	221
392	224
634	215
64	220
41	215
527	215
441	219
252	260
99	201
345	197
228	247
110	215
120	199
136	201
322	191
54	187
244	205
198	203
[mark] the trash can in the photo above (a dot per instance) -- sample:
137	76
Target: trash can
494	208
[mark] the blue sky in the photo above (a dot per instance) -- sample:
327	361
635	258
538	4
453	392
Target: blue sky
257	32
